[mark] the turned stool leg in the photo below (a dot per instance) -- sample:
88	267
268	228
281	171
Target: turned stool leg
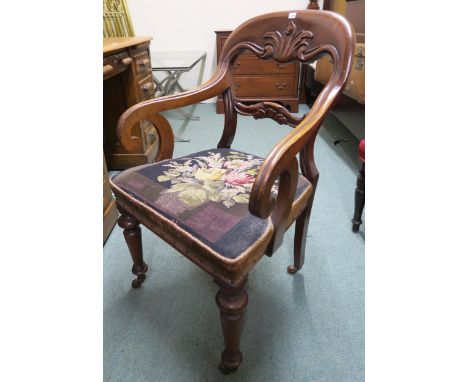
300	237
231	301
132	234
359	199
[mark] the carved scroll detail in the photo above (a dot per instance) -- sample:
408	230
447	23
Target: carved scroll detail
288	45
268	110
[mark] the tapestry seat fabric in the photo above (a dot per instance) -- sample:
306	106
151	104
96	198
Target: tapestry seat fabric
362	150
206	194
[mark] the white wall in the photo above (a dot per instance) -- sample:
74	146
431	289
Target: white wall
189	25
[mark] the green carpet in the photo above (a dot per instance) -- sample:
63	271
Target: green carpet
303	327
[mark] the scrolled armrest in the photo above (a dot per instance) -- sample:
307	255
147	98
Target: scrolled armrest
148	110
300	140
281	163
278	162
262	205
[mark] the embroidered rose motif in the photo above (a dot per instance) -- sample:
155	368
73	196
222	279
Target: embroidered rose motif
239	178
213	177
209	173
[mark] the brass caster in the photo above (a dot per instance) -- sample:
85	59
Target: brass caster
226	370
229	364
138	281
292	269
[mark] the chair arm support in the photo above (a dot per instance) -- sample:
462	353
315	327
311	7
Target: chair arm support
282	158
262	205
281	162
148	110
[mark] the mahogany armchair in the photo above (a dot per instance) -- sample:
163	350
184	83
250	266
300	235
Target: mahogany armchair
224	209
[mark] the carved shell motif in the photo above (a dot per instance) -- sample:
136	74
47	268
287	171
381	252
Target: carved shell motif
286	46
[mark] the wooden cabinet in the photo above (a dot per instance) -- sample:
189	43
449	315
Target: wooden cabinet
110	212
349	107
257	80
127	81
355	86
354	11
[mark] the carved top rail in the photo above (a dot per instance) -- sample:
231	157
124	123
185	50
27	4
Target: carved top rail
291	44
283	47
286	46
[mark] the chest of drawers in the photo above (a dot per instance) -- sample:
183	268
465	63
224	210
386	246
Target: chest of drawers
257	80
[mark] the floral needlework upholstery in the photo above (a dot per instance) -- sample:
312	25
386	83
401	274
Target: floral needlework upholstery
207	195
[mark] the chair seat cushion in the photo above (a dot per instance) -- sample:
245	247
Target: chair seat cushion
206	194
362	150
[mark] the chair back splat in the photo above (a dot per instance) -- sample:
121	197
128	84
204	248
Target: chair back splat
221	208
286	37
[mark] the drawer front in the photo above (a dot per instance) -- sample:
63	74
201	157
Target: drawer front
116	63
221	38
146	87
249	64
265	86
142	64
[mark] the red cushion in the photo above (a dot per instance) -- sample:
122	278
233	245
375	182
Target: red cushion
362	150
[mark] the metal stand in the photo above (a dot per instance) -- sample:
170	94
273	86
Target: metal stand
170	84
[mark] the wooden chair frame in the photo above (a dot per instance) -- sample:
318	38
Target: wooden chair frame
287	36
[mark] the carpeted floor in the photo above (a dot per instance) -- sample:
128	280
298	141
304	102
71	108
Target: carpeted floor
306	327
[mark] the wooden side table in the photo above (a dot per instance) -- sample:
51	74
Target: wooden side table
172	65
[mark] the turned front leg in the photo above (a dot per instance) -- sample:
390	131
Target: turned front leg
132	234
231	301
